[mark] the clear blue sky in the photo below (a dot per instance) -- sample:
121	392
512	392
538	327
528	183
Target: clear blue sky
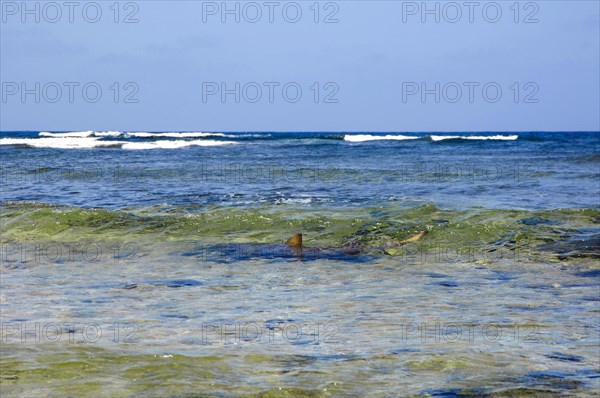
376	58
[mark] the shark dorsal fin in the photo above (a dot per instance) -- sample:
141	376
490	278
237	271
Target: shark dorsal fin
295	241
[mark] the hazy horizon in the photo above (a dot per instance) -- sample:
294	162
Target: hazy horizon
342	66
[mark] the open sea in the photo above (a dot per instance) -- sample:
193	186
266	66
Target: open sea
151	264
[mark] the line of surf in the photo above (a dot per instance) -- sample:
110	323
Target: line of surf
90	133
91	139
72	134
68	142
435	138
95	142
474	137
368	137
173	144
176	135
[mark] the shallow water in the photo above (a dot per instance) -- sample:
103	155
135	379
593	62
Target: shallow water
156	285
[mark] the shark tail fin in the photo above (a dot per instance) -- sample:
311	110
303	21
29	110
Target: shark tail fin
391	245
295	241
414	238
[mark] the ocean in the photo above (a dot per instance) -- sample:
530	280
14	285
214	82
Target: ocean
153	263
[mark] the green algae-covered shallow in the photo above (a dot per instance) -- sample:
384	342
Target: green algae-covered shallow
490	232
128	274
149	302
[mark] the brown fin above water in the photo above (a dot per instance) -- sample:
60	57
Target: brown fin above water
295	241
415	238
391	246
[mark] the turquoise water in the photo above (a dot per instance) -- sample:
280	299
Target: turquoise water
130	271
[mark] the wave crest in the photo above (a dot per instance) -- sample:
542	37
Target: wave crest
368	137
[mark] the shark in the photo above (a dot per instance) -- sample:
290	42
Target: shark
294	248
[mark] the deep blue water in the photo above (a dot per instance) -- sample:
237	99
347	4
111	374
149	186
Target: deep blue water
535	171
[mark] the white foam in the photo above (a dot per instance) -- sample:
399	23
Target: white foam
474	137
368	137
303	201
108	133
173	144
176	135
70	134
60	142
66	142
244	135
132	134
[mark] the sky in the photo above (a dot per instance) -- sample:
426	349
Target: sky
398	66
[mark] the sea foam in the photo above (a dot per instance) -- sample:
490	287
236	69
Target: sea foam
64	142
474	137
175	135
69	134
173	144
368	137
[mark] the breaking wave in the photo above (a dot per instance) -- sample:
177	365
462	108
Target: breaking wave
175	140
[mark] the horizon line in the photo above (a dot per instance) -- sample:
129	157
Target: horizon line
309	131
